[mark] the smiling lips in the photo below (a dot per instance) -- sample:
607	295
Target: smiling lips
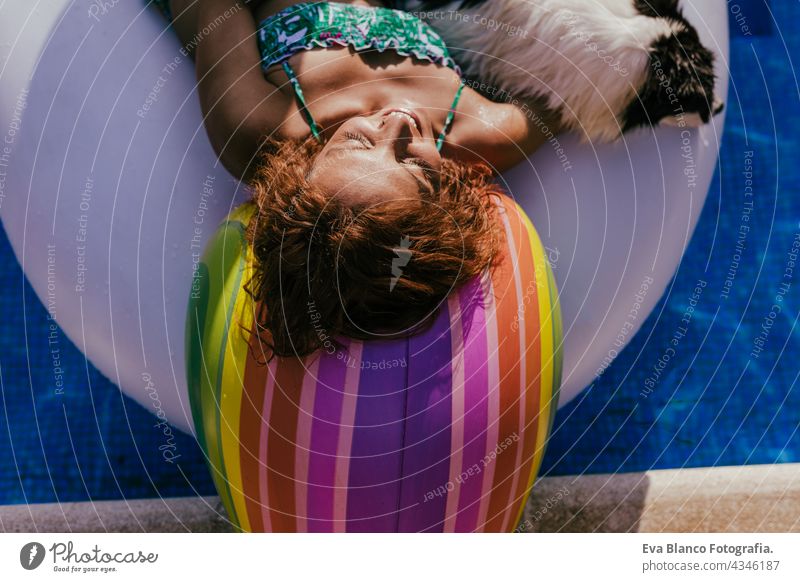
409	116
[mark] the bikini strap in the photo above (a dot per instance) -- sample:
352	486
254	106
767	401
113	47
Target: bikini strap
449	119
301	101
315	130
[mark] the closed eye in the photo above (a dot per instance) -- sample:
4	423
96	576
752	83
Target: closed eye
431	175
358	137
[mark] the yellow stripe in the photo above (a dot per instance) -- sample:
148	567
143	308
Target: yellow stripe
232	387
546	341
233	375
243	213
212	339
218	249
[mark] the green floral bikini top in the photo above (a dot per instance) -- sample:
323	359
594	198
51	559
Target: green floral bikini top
326	24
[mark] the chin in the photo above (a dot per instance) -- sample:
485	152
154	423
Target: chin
599	67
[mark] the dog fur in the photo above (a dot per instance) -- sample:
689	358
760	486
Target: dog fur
602	67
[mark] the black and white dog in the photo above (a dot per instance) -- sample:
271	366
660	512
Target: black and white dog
601	67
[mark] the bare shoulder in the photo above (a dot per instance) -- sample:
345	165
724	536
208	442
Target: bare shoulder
500	133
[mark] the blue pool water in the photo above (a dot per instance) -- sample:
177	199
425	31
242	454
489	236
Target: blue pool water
712	403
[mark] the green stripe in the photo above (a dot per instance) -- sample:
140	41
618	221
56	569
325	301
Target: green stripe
237	229
195	326
222	255
558	360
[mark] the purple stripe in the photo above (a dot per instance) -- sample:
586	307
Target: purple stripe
324	438
426	457
476	403
377	449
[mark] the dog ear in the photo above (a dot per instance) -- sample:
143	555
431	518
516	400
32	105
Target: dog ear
679	89
657	7
694	118
686	72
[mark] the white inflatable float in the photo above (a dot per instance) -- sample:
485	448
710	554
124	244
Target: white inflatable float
109	190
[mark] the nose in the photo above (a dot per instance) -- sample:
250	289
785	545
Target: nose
400	136
397	132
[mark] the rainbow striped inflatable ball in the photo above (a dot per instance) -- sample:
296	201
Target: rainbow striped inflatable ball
443	431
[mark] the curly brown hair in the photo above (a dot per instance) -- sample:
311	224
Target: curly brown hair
324	269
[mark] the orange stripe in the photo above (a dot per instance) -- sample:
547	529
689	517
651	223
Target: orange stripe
282	443
255	387
549	336
522	272
533	369
263	439
345	444
509	353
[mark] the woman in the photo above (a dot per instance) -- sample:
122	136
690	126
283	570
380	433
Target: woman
369	159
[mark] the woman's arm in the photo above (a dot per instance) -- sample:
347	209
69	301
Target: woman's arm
240	106
528	126
500	134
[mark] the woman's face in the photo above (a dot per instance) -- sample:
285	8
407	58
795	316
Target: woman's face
388	155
